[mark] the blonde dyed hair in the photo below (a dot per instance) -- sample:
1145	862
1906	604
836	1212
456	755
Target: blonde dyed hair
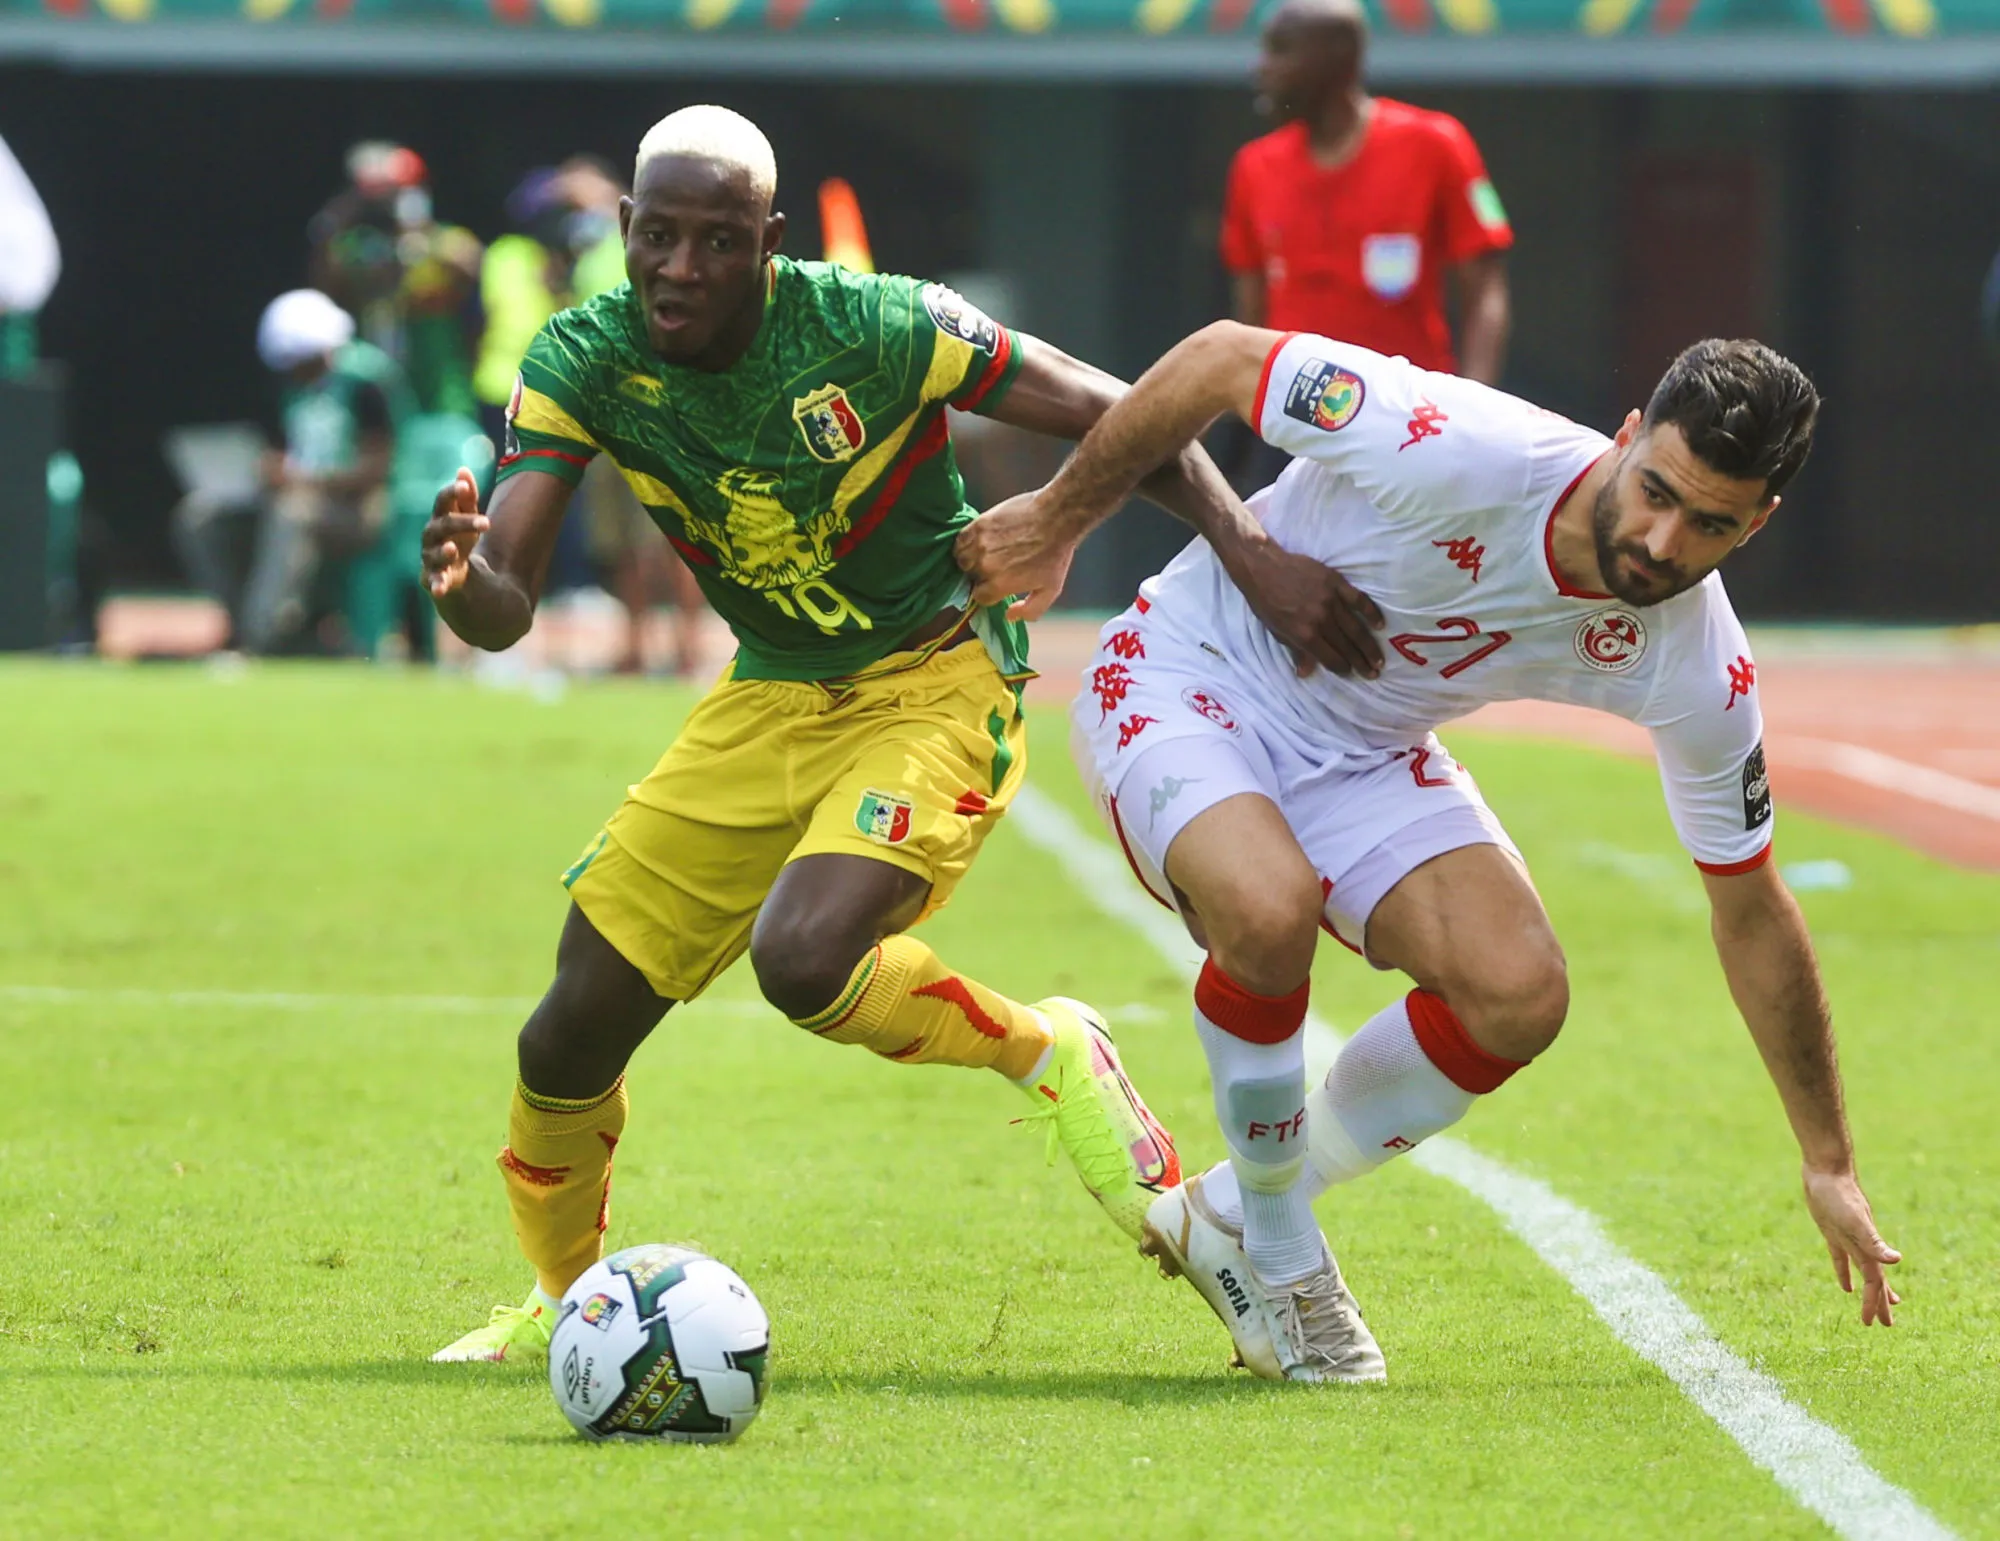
712	134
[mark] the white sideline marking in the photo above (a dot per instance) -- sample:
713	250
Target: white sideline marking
1872	768
1817	1465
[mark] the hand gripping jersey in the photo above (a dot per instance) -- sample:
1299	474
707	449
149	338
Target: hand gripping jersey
1435	496
811	485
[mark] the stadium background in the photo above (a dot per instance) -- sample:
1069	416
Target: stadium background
1825	176
267	931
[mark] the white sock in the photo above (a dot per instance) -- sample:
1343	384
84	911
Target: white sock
1033	1077
1382	1097
1260	1103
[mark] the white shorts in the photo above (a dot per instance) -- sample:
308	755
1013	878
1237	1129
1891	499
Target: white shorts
1158	742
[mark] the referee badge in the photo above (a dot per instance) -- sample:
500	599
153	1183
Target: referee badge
1391	264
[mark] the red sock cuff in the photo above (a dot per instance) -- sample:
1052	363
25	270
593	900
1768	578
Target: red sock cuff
1450	1047
1241	1014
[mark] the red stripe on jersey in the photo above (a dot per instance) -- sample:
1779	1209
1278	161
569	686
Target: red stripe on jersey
1002	352
1733	869
1549	538
933	439
1264	384
552	454
1118	829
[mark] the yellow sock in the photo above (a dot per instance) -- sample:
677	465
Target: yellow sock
904	1004
557	1166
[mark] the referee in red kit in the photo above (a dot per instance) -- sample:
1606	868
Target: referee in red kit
1346	219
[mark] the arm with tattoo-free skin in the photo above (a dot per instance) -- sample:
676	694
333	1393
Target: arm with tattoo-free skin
1023	546
1201	377
485	570
1485	316
1767	957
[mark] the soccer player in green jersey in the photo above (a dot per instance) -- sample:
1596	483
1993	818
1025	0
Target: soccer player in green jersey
784	424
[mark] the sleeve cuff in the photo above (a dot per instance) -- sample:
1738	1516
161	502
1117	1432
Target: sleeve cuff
989	388
561	464
1264	384
1735	868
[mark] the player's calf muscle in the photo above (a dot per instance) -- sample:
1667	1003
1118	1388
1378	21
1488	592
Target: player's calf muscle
595	1013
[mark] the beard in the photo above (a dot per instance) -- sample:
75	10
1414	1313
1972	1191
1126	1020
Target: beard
1628	572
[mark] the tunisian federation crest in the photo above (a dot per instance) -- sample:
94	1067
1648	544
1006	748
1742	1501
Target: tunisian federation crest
830	425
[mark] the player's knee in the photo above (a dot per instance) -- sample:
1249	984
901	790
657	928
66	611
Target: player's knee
798	972
1263	929
1518	1005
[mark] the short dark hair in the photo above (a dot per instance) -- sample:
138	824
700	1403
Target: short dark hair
1746	410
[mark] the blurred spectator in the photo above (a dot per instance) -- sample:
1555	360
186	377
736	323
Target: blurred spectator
30	263
326	494
1345	220
411	282
566	248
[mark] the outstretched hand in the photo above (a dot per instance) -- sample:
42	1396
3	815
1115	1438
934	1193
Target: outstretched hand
1010	554
454	529
1314	611
1840	1210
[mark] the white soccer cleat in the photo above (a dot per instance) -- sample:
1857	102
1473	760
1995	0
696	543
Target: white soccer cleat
1318	1331
1311	1331
1189	1241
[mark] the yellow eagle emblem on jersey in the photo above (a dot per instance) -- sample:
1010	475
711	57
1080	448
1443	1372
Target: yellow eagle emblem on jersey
759	543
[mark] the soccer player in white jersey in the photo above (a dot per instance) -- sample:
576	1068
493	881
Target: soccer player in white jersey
1511	554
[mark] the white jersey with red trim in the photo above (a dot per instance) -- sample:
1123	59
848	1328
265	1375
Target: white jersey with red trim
1435	495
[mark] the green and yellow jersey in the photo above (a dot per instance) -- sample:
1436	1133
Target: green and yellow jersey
811	485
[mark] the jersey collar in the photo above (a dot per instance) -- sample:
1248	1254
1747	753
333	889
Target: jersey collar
1563	586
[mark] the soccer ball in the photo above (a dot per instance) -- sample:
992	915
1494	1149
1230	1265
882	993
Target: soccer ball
659	1343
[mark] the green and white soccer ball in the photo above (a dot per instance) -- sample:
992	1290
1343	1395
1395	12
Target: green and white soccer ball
660	1343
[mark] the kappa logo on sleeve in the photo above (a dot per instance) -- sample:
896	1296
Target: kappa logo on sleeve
1756	789
1325	396
951	312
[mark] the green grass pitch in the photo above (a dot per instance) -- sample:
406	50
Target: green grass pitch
232	1233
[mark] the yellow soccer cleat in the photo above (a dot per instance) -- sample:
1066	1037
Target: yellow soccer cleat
1122	1152
512	1332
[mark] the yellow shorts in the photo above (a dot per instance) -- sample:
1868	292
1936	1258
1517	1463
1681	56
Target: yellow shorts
911	767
